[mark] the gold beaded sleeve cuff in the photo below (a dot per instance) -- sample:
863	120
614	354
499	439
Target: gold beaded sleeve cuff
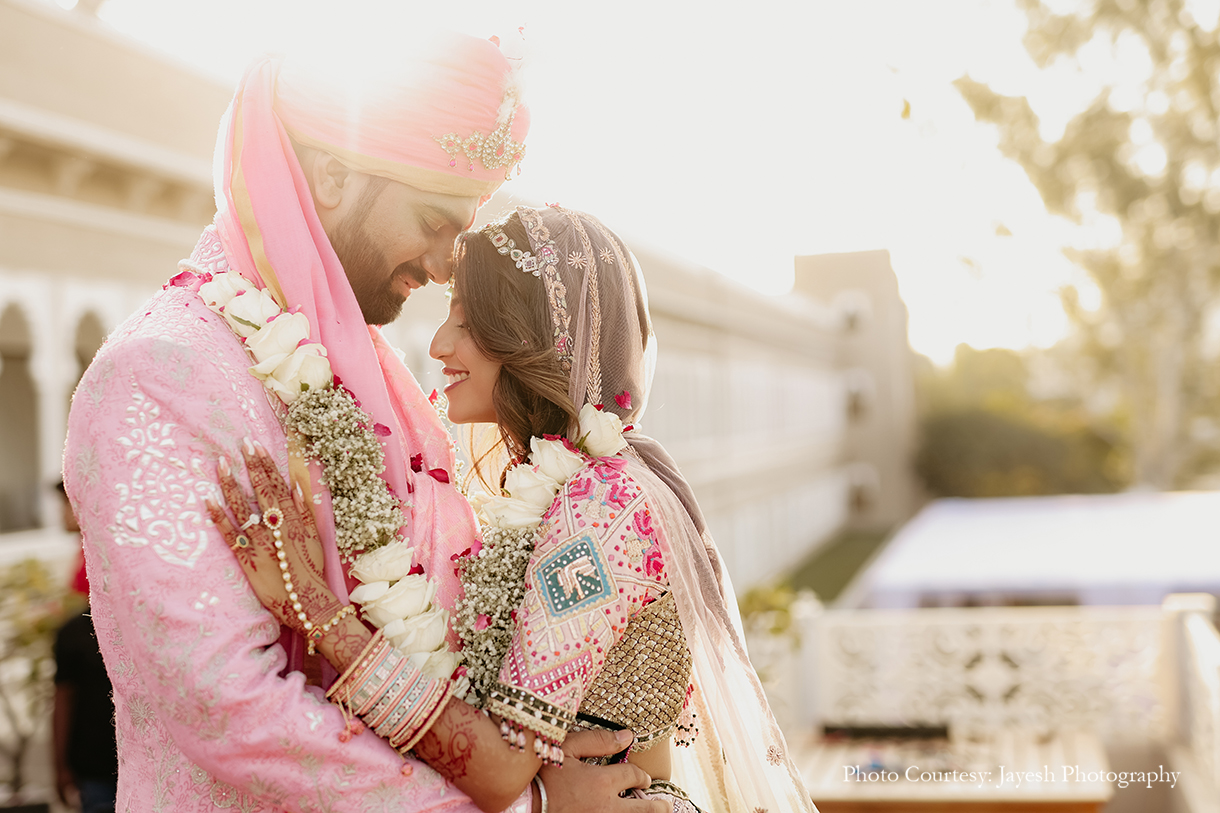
520	710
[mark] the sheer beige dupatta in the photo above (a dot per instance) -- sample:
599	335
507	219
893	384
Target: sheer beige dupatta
599	308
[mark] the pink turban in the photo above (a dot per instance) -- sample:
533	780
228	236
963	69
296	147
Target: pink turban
449	122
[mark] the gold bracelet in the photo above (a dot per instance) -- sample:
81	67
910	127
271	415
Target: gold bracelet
319	633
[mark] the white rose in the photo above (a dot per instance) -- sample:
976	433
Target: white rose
440	664
601	432
388	563
222	288
422	633
408	597
526	482
314	371
279	337
289	375
554	459
506	512
369	591
247	313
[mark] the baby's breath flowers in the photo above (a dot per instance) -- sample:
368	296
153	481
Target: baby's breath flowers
342	437
494	582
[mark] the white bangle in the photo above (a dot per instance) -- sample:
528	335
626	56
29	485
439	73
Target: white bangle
541	794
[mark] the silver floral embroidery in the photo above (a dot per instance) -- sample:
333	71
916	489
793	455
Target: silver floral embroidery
209	254
93	386
162	506
140	712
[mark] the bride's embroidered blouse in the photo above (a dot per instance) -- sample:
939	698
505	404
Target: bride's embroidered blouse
598	632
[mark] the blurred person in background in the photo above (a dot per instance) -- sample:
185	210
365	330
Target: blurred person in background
82	723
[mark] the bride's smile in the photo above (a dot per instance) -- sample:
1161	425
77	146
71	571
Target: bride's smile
454	376
470	377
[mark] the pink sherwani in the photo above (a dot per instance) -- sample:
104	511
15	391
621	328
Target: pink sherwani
205	716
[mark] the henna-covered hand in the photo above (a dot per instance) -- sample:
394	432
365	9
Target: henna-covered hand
449	745
253	543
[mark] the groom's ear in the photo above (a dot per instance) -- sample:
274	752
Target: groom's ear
330	179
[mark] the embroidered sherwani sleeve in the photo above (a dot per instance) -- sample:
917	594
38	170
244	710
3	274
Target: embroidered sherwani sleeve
596	565
194	656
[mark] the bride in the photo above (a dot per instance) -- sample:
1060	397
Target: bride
614	613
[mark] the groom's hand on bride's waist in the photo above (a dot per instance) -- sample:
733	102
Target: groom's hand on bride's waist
577	786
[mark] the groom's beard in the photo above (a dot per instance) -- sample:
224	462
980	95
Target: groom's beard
365	265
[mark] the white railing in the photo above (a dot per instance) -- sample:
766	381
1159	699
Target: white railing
1140	680
1202	701
1192	681
1035	668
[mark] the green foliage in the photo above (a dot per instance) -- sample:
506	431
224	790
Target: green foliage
984	436
979	453
1161	279
767	609
33	604
830	569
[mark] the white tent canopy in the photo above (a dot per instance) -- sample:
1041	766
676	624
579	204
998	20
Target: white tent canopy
1131	548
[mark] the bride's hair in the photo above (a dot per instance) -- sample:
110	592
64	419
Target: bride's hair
505	311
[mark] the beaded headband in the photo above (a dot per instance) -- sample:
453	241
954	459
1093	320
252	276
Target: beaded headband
541	263
524	260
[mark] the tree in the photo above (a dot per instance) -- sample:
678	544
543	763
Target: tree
1146	156
983	435
32	606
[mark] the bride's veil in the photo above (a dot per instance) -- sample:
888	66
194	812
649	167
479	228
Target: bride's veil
599	310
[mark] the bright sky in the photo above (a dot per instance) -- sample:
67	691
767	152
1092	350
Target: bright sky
740	135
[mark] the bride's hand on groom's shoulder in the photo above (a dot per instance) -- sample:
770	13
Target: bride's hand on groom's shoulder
577	786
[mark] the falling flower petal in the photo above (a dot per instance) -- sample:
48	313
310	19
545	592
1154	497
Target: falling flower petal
623	399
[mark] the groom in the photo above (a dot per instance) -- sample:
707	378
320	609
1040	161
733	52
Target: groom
339	200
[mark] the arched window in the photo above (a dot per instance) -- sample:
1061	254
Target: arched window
861	392
18	425
89	337
854	309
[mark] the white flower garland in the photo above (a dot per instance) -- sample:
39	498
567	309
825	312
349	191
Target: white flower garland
494	578
394	596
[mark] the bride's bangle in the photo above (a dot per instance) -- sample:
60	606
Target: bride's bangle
541	794
396	700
